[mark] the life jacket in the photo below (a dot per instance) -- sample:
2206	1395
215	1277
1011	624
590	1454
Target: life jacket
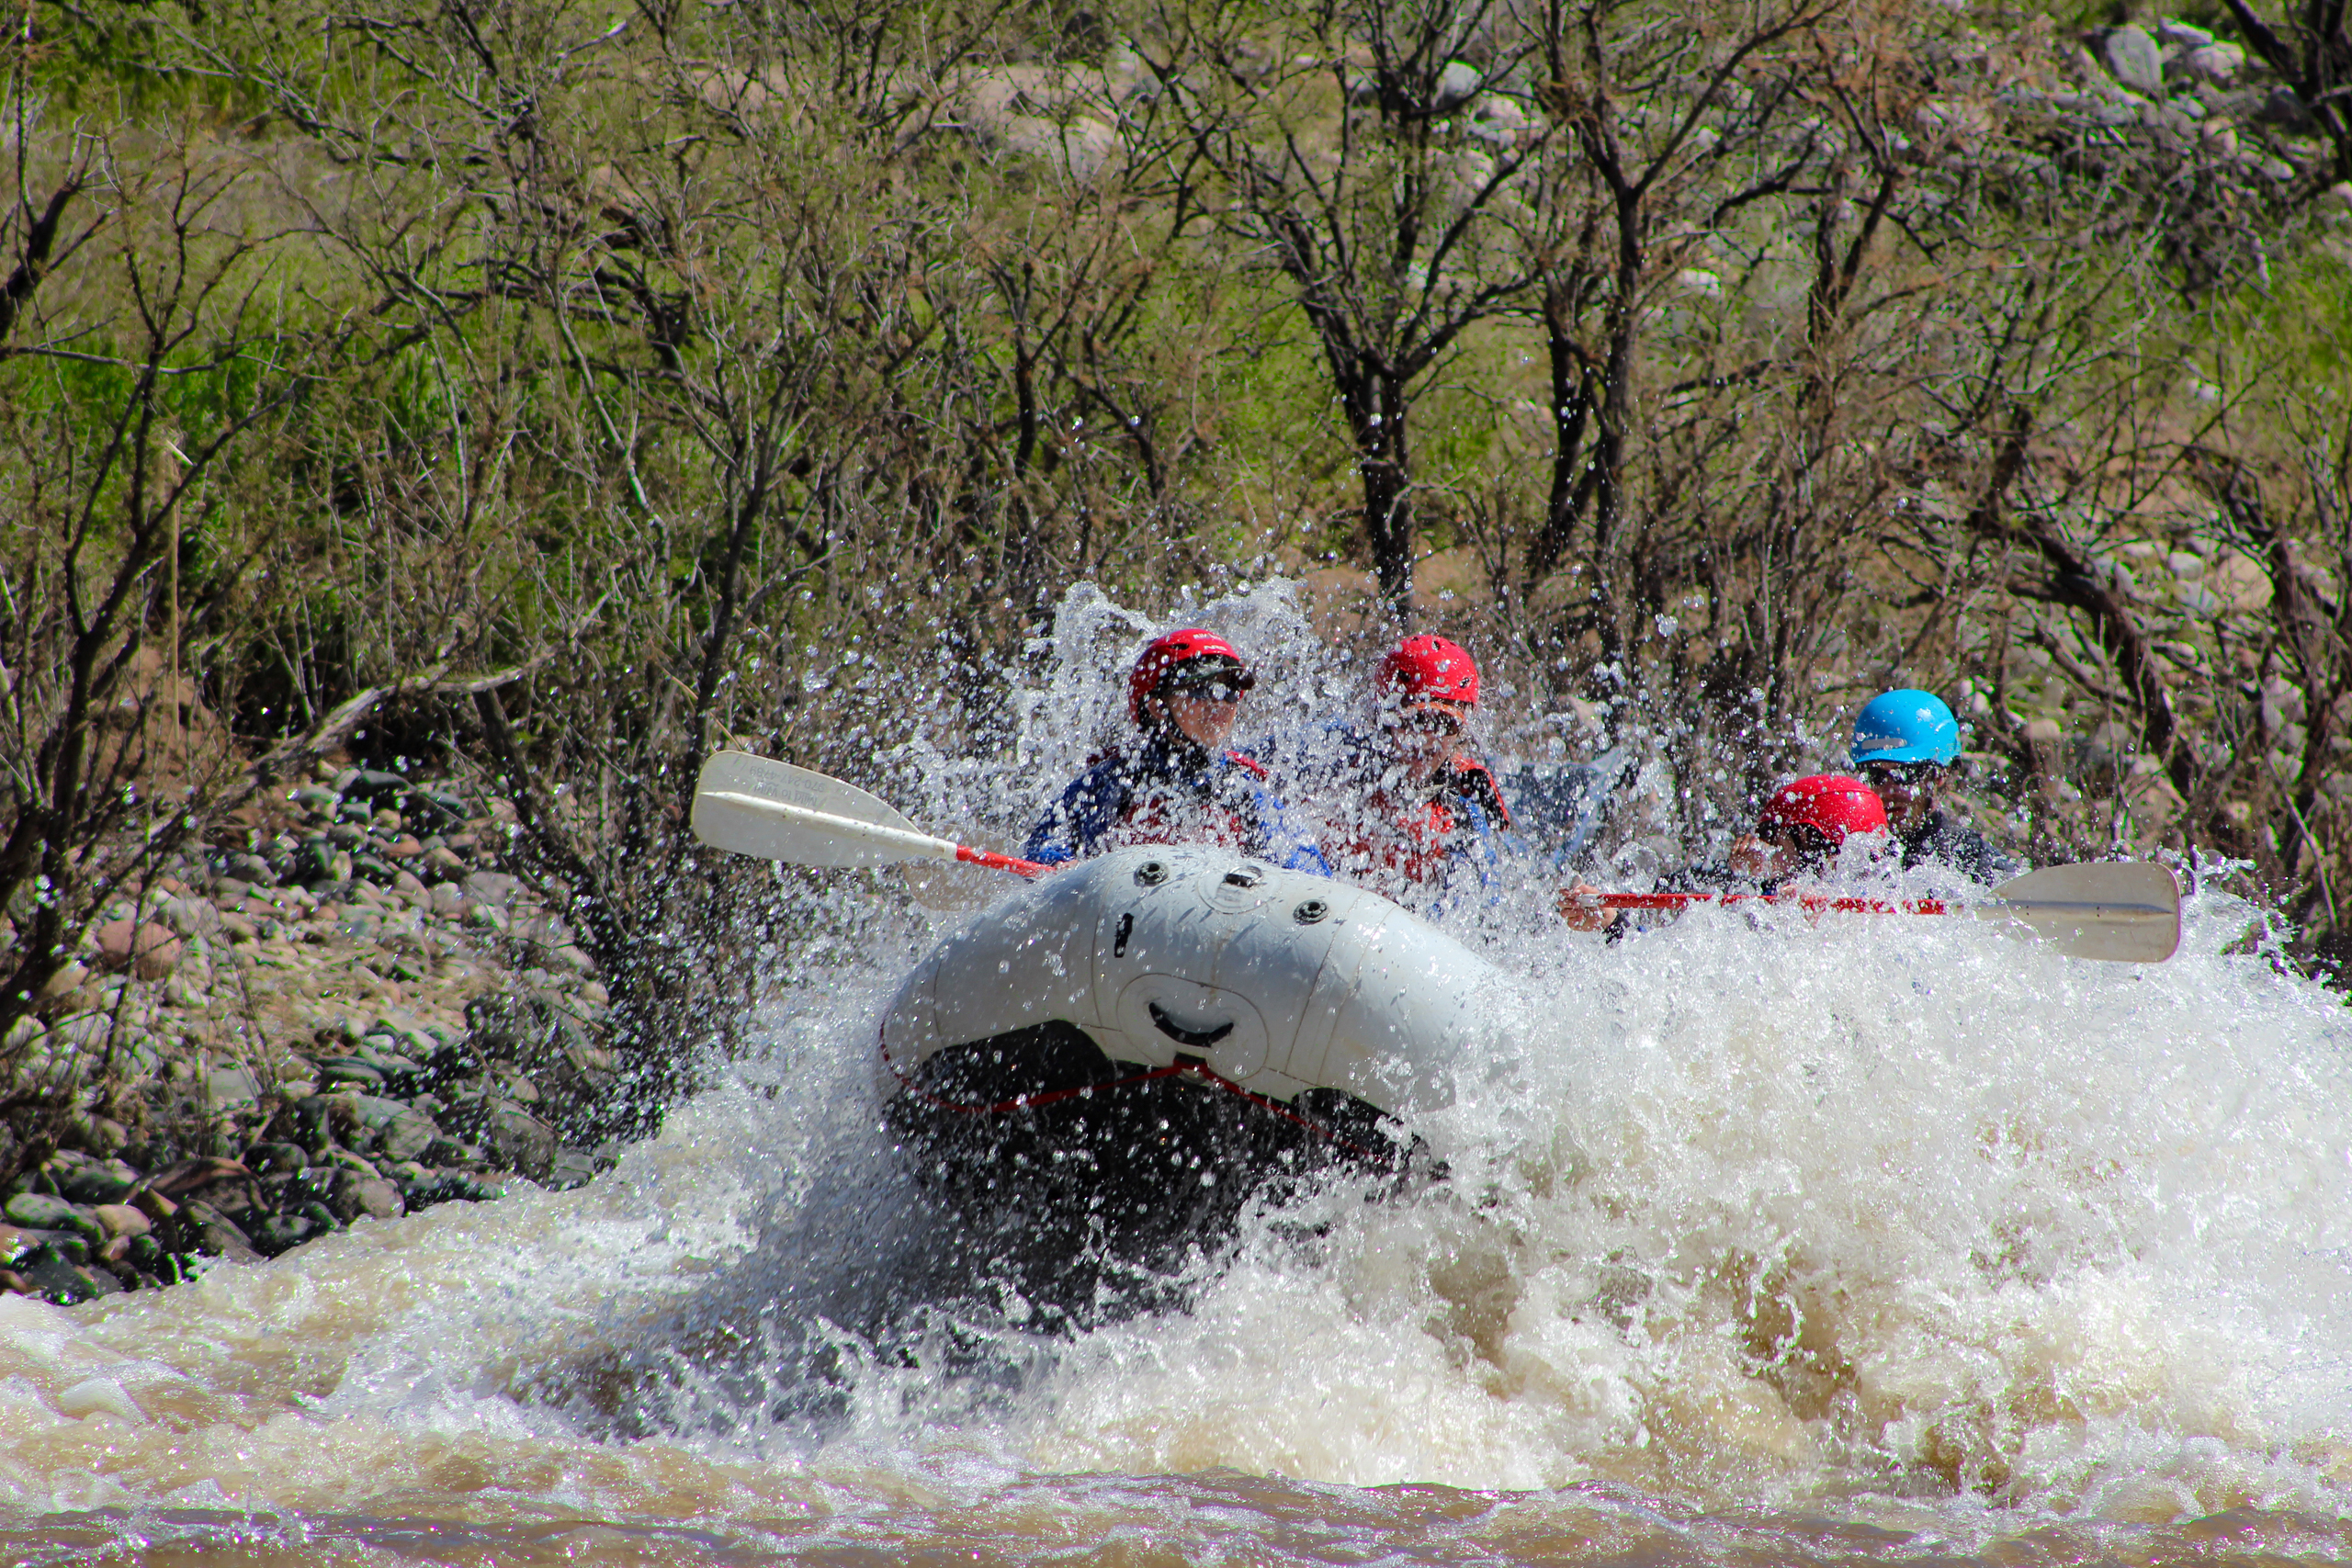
1159	795
1399	838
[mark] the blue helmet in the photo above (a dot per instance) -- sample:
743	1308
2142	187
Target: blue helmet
1905	726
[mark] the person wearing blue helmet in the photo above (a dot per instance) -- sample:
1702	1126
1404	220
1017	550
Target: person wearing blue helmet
1904	744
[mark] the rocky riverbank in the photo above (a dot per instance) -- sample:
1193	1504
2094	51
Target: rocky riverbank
342	1009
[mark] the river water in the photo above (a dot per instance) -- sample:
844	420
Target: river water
1892	1241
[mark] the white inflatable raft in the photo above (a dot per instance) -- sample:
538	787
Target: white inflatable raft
1275	981
1120	1055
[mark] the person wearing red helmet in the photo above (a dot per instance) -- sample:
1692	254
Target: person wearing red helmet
1409	804
1803	828
1177	784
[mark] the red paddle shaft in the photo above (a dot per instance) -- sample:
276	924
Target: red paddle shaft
996	861
1811	901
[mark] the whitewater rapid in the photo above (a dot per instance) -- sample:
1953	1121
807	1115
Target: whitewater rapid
1877	1238
1908	1216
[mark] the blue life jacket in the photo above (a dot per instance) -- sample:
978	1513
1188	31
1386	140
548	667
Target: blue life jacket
1170	793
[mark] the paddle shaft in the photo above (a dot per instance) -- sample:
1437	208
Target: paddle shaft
916	846
1801	900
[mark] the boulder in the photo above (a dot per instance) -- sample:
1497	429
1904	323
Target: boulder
101	1181
2216	63
121	1220
149	951
377	789
48	1272
354	1072
39	1212
2133	58
215	1235
276	1158
406	1137
520	1140
2285	109
570	1169
356	1195
232	1086
493	888
283	1232
1457	85
249	871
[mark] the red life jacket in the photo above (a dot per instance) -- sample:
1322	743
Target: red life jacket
1166	811
1402	838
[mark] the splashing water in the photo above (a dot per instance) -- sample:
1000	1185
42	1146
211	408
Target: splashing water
1863	1240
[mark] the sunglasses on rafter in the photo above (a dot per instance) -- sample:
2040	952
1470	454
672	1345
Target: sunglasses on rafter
1212	686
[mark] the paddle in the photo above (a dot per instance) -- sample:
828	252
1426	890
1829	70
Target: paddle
2127	911
776	811
2124	910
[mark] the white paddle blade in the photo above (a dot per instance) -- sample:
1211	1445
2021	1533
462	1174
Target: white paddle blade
2125	911
734	801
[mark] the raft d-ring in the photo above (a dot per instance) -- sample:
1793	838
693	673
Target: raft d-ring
1310	910
1242	877
1150	874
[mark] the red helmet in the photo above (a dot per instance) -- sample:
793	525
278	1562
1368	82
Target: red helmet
1830	803
1429	668
1169	649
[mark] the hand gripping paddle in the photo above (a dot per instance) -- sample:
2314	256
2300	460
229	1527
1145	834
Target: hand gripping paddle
776	811
2127	911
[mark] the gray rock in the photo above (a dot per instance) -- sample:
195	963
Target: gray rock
354	1071
109	1182
232	1086
406	1137
493	888
2133	58
374	789
276	1158
2216	63
356	1195
39	1211
2285	108
520	1140
282	1233
1457	85
445	1151
2182	34
215	1235
54	1276
411	1038
253	871
570	1169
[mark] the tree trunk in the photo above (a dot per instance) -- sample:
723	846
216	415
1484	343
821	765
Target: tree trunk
1375	407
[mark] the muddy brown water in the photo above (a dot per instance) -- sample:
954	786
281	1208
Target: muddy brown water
1760	1246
